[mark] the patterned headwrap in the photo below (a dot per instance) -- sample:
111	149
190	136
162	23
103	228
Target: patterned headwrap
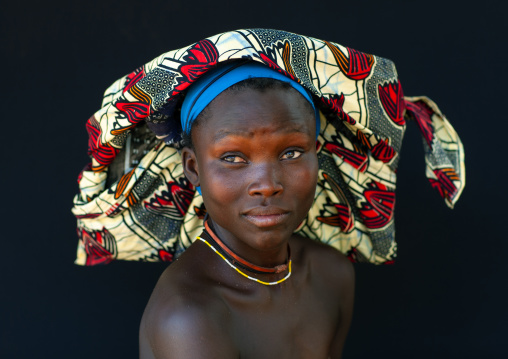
135	203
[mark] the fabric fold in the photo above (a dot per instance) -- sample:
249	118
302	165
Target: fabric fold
444	152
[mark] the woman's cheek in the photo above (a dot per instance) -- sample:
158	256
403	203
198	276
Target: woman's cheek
304	175
223	184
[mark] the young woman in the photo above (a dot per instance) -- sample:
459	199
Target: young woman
250	287
276	171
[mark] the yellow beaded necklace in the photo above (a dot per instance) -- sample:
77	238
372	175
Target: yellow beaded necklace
242	273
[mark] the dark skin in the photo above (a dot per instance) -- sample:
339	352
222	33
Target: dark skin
255	160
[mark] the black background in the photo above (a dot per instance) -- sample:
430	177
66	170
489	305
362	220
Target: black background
445	296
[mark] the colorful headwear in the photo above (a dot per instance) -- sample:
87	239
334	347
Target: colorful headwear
214	82
139	205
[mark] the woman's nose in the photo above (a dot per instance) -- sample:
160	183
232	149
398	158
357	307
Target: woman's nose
265	180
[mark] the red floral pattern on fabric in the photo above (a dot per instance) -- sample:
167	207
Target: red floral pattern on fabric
343	219
135	111
335	104
100	246
360	64
383	151
392	99
378	210
102	153
422	114
444	183
165	256
271	64
173	202
198	60
133	78
355	159
356	65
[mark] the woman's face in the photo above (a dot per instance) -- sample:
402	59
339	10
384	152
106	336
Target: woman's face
255	160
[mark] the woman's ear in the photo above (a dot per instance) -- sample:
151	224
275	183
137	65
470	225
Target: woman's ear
190	166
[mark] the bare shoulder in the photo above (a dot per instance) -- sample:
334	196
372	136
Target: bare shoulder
183	319
333	279
328	262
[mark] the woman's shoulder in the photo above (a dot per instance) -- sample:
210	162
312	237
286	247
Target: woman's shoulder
324	260
187	281
182	306
184	325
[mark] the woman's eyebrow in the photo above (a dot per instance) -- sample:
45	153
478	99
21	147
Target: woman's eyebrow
225	133
219	135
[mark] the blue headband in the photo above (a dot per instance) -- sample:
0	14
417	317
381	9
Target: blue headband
214	82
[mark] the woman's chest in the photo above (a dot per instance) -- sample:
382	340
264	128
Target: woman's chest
297	325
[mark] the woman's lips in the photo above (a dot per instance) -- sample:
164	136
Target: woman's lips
266	218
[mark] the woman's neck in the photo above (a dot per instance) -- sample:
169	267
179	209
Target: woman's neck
273	260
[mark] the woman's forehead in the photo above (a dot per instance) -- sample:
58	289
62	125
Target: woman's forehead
246	111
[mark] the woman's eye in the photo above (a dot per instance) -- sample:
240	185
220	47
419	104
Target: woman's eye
233	159
292	154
